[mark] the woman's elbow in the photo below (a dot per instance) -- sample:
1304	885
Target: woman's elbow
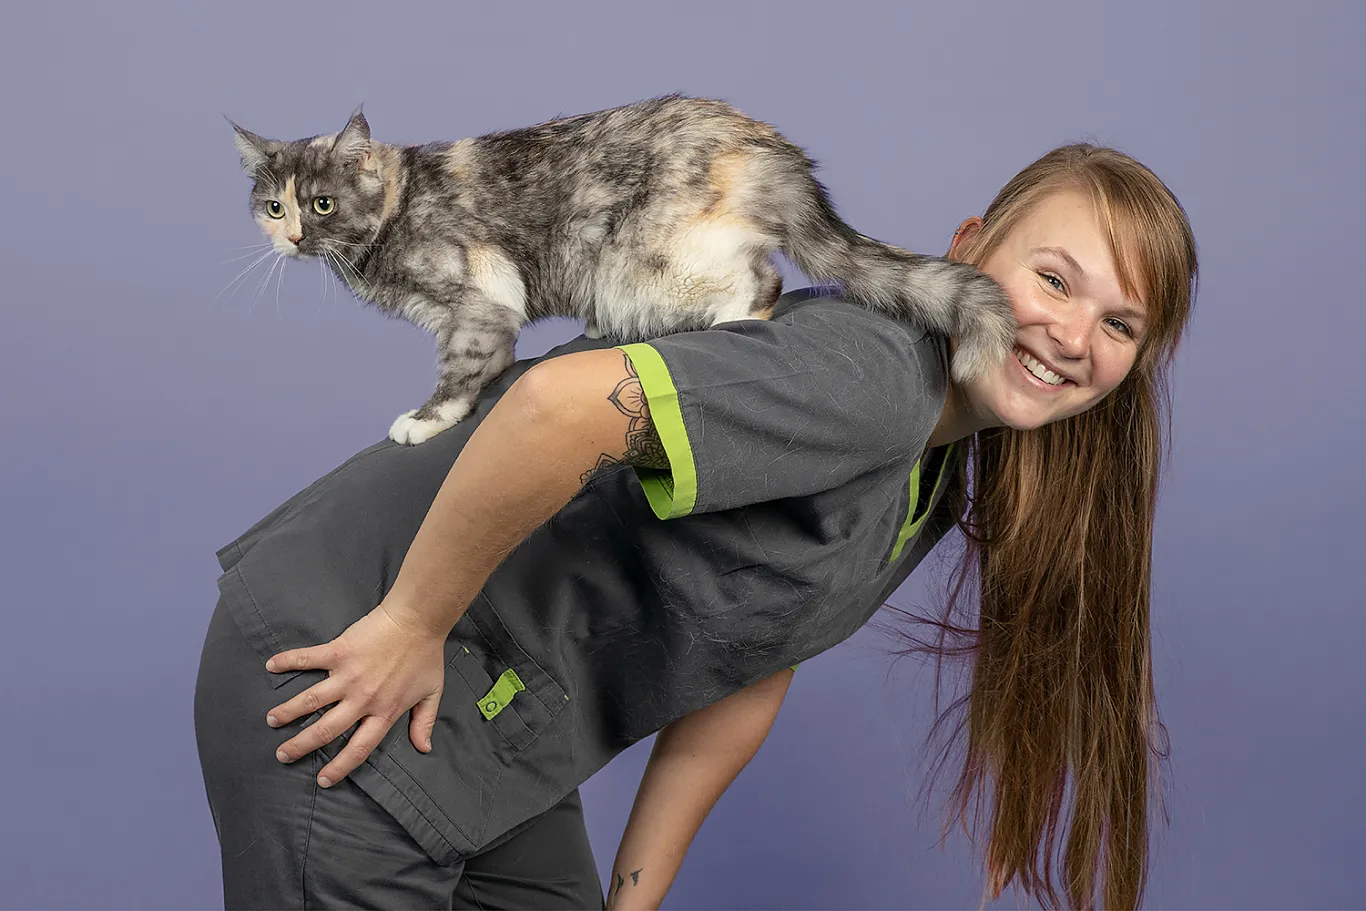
539	394
575	394
559	384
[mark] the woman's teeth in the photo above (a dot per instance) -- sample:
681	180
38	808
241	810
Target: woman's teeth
1039	370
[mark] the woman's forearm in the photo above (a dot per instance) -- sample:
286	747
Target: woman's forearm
531	454
693	761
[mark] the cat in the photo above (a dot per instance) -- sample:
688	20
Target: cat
657	217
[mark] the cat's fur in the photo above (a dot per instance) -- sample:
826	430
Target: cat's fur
643	220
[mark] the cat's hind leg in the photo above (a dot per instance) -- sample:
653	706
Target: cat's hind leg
710	270
718	266
753	294
472	349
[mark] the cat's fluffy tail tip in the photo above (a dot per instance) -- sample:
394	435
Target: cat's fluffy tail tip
987	344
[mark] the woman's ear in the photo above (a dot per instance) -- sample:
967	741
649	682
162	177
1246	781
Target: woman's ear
966	231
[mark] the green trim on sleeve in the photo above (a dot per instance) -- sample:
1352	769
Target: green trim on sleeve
913	522
671	493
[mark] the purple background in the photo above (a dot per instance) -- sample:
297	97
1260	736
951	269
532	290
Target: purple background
146	423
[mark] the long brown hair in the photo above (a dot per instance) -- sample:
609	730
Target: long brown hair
1057	551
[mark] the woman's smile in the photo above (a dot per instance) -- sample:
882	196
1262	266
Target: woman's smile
1038	374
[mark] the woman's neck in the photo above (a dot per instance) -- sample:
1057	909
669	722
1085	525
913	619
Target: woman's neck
958	419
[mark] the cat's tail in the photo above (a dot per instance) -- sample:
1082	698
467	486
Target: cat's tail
945	297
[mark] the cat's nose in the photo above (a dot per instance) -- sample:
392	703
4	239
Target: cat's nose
295	238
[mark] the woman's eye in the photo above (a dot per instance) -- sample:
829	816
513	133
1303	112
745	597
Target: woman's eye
1122	327
1054	281
274	209
324	205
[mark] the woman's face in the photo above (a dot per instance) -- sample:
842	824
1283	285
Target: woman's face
1078	335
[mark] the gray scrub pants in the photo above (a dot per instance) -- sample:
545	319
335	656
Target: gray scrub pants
287	843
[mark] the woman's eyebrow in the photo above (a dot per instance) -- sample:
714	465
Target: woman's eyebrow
1063	255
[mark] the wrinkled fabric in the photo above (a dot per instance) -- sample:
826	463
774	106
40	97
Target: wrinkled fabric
804	430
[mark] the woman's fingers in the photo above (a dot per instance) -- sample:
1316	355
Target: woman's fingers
318	696
302	659
320	733
368	736
377	670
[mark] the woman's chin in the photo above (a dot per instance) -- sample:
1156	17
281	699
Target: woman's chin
1025	423
1020	412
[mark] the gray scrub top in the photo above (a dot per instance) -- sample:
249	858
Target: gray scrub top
795	505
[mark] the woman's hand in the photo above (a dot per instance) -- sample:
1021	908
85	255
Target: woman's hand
380	667
559	421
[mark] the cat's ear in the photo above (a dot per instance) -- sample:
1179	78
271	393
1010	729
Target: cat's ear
353	143
255	150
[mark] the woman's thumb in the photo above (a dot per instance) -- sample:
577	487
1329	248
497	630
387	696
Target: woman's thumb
423	720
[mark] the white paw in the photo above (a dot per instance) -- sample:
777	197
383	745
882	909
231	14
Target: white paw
592	330
410	431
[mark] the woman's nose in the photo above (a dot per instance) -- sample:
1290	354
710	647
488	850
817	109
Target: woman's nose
1073	336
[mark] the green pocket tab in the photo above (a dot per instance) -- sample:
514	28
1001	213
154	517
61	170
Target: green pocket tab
505	687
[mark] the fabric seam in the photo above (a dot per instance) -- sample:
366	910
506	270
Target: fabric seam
308	830
417	784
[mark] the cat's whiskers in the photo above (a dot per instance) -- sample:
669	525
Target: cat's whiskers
265	281
331	260
240	278
332	286
339	258
279	282
343	264
322	286
338	284
255	249
260	284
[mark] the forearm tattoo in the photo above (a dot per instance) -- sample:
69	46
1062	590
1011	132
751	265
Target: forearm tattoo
614	889
643	447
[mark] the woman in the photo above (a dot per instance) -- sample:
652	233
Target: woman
647	537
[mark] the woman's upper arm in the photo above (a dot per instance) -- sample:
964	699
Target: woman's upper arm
597	395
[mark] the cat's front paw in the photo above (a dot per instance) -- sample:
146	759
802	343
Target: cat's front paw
409	429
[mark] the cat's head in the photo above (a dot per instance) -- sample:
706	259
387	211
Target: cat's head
316	196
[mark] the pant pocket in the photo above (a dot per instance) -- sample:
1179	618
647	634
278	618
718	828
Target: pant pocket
533	697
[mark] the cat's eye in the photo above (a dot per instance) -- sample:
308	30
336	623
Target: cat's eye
324	205
275	209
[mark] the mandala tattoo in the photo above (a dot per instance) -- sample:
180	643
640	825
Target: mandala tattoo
643	447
